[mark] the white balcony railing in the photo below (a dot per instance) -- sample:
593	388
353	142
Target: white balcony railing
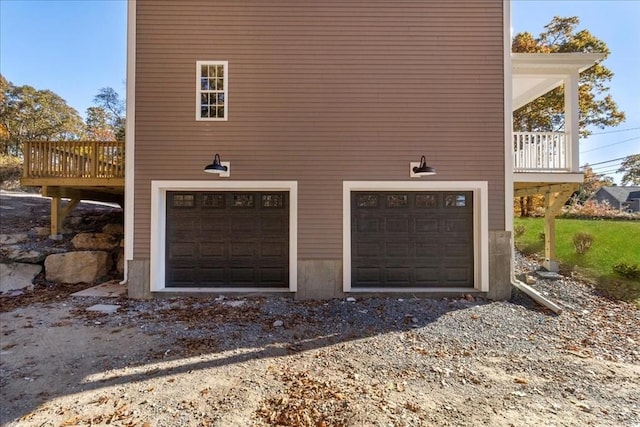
541	152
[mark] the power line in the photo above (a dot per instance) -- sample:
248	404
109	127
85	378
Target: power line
607	161
614	131
610	171
610	145
616	167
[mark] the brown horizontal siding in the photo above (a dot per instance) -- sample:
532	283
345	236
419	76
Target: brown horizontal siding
319	93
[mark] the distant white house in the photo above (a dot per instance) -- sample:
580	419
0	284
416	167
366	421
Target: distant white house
624	198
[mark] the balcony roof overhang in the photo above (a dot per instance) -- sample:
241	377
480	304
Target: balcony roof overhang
534	74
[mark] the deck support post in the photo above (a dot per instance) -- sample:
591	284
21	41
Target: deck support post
554	197
59	213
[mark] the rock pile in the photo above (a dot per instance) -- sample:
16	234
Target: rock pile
91	250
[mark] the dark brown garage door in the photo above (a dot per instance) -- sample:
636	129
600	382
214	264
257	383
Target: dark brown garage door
412	239
227	239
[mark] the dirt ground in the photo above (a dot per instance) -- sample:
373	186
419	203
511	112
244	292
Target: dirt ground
224	361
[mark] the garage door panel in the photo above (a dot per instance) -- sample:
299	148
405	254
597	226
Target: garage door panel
183	275
458	225
243	224
398	276
273	225
366	224
180	250
211	275
427	275
368	276
183	235
426	239
273	249
227	239
425	250
457	276
214	225
243	275
426	225
273	276
243	250
368	249
456	250
396	225
398	249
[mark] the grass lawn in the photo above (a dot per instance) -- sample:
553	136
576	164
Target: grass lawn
613	242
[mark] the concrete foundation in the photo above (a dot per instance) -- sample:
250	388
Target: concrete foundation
322	279
319	279
500	260
138	279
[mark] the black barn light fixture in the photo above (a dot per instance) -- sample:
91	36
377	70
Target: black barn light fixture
422	169
216	166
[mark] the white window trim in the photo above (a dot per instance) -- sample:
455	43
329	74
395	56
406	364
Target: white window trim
480	228
225	64
158	228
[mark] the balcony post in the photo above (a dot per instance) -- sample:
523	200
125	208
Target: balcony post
571	120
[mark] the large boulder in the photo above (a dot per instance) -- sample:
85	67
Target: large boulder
95	241
18	253
12	239
77	267
17	276
114	229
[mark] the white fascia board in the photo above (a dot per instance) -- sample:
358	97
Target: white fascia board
480	214
158	227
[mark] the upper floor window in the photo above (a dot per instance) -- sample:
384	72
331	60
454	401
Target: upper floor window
211	90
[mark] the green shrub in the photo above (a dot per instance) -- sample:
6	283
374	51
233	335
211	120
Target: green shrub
582	242
519	230
620	289
628	271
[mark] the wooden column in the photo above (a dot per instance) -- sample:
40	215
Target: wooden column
56	220
554	197
58	213
571	121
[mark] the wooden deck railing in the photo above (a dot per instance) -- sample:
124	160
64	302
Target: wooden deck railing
73	159
541	152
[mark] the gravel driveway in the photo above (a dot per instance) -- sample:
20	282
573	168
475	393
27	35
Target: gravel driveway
274	361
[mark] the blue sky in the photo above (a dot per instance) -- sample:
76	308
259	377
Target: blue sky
76	47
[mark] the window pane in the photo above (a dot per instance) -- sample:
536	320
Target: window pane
183	200
213	201
461	200
397	200
211	96
426	201
272	201
243	201
367	201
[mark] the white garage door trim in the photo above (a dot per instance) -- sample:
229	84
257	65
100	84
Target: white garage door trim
159	217
480	228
